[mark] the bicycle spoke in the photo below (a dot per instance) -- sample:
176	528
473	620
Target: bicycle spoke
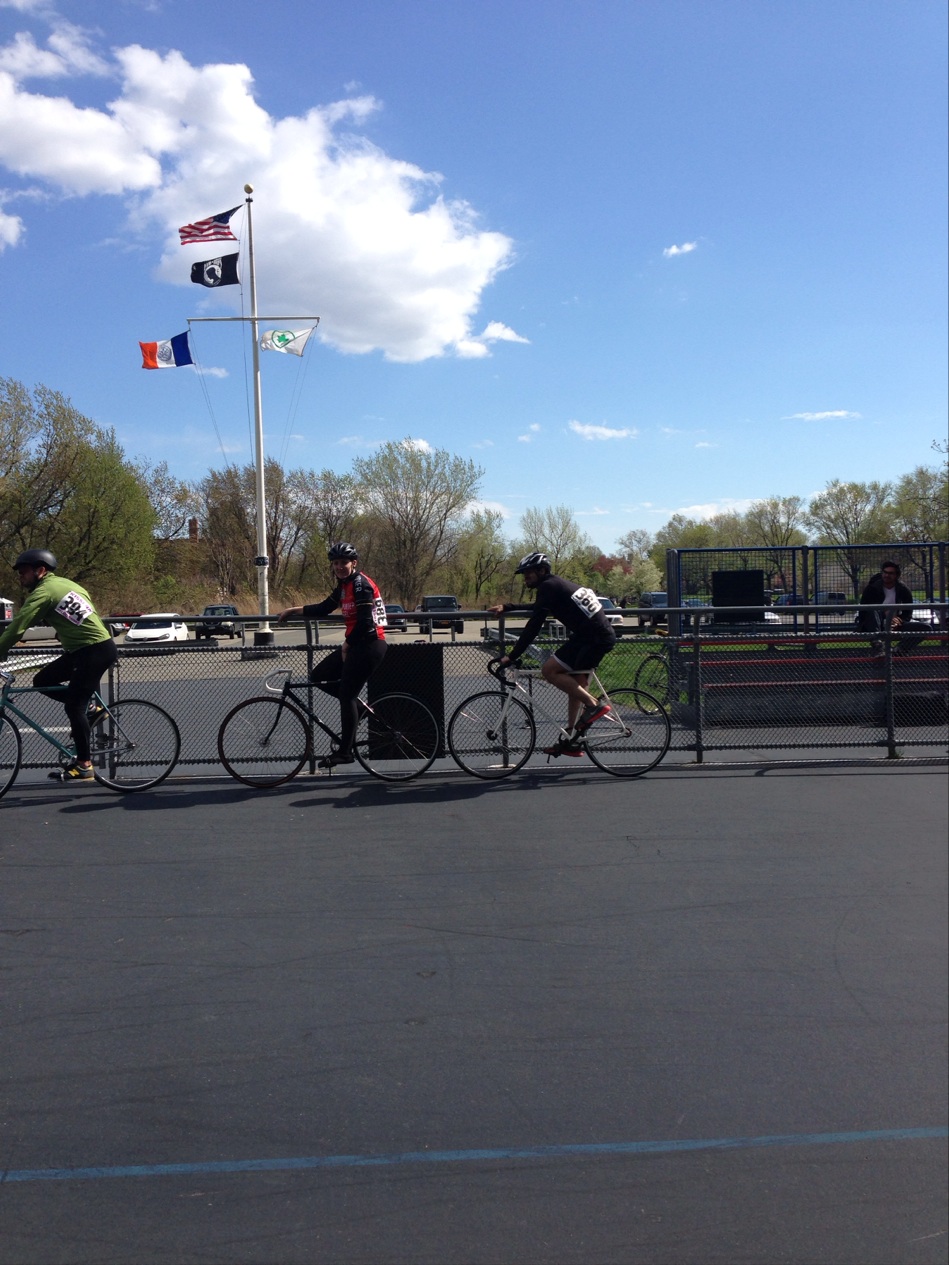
632	738
653	676
135	745
488	739
263	742
397	737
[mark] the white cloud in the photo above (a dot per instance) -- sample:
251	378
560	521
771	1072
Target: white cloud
821	417
602	432
705	444
11	229
686	248
343	230
532	430
498	507
417	445
593	513
711	508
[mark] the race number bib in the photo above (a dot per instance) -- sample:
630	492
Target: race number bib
74	607
379	613
588	602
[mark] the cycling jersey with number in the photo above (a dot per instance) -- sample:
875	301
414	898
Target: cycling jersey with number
576	607
362	606
66	607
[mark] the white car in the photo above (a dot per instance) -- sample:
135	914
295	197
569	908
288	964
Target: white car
609	610
160	627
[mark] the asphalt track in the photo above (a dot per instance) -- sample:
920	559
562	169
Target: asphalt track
695	1018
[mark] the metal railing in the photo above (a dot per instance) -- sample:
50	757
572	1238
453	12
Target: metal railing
770	691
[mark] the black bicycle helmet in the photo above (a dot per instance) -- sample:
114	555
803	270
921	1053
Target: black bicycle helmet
533	562
342	551
36	558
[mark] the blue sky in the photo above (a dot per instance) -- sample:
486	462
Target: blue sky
637	258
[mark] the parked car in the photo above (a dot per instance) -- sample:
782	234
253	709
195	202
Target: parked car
926	615
832	599
652	604
396	617
699	604
121	623
218	621
444	603
159	627
789	599
6	608
610	611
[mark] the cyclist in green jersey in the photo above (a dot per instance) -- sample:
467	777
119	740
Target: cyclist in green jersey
88	648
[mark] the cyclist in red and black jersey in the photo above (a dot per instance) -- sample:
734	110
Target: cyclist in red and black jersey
591	637
346	670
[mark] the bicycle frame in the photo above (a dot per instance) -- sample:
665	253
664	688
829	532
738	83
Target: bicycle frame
512	686
7	708
288	693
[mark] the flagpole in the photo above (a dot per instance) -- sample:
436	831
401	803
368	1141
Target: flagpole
264	635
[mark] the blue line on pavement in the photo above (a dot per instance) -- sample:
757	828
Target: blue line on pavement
466	1157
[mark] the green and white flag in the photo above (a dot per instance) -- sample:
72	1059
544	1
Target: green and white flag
292	340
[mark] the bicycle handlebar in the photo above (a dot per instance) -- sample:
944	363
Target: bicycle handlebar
276	689
499	670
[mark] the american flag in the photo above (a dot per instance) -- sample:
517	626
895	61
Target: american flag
213	229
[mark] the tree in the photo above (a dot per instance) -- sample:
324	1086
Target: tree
846	514
920	505
777	521
416	500
174	501
103	535
637	544
41	446
480	555
851	513
555	532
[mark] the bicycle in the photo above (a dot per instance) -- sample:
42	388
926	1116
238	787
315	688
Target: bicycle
135	744
666	674
494	733
264	742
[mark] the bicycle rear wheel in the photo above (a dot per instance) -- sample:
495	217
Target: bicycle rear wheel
653	676
396	738
264	742
632	737
489	740
11	751
135	745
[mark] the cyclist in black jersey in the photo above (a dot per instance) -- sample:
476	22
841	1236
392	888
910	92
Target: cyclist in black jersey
591	637
346	670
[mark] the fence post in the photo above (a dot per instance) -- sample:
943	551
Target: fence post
699	695
891	751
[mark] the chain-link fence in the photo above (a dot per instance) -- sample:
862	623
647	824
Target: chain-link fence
770	691
831	577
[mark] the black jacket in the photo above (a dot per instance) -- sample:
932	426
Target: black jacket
874	594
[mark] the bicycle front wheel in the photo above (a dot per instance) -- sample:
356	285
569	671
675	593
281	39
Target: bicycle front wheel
11	752
396	738
491	735
264	742
653	676
632	737
135	745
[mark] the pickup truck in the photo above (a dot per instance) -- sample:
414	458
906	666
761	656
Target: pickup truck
217	621
441	602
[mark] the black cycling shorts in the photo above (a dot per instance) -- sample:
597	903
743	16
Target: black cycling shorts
579	654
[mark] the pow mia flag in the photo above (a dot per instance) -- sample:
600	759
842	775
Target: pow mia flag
216	272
